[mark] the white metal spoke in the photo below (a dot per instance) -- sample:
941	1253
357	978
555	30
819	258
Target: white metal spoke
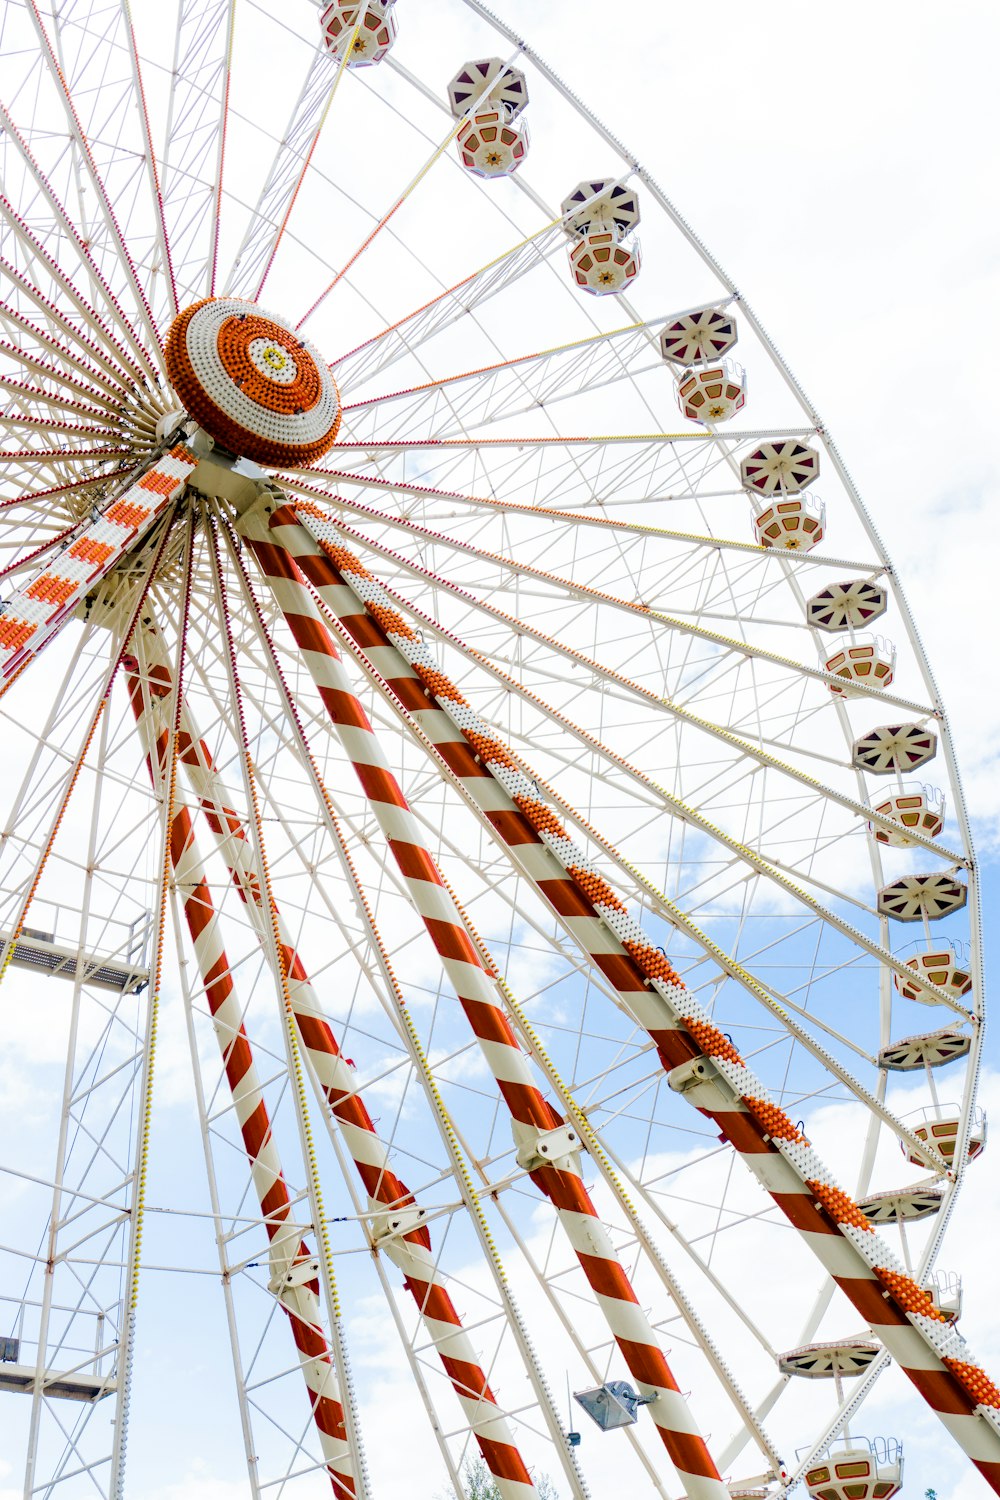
193	154
62	74
76	242
431	499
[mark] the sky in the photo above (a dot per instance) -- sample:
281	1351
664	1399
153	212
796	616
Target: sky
838	164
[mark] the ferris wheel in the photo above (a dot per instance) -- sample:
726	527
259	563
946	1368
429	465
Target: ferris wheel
489	939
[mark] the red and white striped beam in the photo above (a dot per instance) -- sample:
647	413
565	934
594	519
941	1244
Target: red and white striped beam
547	1147
294	1278
35	612
710	1071
392	1204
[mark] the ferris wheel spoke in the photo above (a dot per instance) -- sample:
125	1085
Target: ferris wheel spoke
59	427
411	187
194	146
285	176
288	171
367	613
489	396
518	180
66	62
113	381
279	196
36	397
609	471
401	338
80	489
402	676
570	587
53	458
538	378
108	401
595	443
294	479
327	528
28	458
79	245
165	266
408	334
103	348
532	1115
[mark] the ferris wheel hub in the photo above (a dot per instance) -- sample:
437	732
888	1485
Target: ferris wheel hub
258	388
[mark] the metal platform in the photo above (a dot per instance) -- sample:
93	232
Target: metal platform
41	952
70	1386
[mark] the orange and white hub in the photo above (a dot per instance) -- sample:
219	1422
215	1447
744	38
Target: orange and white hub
255	386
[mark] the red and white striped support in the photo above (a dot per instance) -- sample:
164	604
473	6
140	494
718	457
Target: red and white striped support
702	1063
35	612
392	1204
547	1147
294	1277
